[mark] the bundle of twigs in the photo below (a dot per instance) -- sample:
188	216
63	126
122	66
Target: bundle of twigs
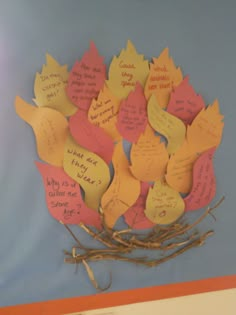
172	241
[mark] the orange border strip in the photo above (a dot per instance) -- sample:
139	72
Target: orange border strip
85	303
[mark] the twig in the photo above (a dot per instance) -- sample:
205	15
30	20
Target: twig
142	260
190	226
120	243
73	235
92	277
97	236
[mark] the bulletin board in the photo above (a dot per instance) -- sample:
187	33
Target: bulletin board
200	37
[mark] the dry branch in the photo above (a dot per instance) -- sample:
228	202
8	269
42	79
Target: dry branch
118	244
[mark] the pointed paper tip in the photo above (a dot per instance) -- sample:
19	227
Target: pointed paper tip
105	89
18	99
38	164
148	132
93	47
20	103
107	84
211	152
47	56
152	188
165	52
184	84
44	67
138	86
131	168
214	108
76	64
118	152
41	166
186	79
50	60
216	105
130	47
153	99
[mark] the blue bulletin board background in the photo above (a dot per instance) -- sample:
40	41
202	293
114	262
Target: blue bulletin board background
201	38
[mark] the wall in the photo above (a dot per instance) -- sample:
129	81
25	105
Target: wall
201	38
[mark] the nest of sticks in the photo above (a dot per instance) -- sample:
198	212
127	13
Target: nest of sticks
171	241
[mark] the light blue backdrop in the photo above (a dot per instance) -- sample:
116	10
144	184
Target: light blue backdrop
201	38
